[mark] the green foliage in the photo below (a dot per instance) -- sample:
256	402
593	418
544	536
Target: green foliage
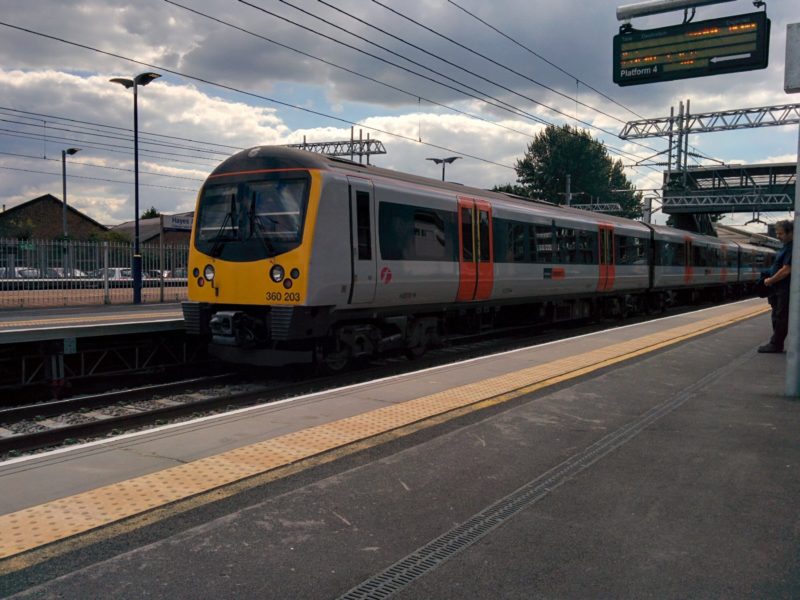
558	151
151	213
110	236
19	229
511	188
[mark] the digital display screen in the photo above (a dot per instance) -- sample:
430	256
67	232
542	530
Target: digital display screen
713	47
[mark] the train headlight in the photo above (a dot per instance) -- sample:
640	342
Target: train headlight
208	272
277	273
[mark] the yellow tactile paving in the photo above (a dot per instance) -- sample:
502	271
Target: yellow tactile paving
89	319
39	525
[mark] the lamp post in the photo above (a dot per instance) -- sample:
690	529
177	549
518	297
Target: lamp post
443	162
141	79
64	153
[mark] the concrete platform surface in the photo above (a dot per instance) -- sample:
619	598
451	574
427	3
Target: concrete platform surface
671	475
43	324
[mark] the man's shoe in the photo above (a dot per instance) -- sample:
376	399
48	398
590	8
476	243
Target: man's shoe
769	349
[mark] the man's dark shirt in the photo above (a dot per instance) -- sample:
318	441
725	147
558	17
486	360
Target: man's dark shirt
784	257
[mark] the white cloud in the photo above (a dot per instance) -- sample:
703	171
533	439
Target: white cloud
56	79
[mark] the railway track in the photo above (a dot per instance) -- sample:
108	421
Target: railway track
46	425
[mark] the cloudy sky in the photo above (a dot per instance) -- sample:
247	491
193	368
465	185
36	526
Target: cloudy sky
241	73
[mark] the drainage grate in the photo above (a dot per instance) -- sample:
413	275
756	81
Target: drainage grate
430	556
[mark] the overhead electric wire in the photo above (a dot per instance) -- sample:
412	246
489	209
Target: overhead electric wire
518	110
96	166
95	146
141	132
540	57
250	94
457	66
498	103
345	69
99	179
555	66
491	60
246	93
125	139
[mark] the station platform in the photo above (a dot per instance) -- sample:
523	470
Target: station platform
51	324
653	460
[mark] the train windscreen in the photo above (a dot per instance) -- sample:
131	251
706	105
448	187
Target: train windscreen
251	220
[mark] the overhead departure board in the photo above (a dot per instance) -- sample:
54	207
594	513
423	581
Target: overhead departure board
713	47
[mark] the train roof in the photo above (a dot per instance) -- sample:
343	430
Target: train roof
281	157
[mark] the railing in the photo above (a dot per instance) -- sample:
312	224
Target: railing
37	273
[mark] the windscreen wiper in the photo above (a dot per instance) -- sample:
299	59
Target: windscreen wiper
219	238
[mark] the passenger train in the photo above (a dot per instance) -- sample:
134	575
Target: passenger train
298	257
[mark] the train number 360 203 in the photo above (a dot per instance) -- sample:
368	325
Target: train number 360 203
283	297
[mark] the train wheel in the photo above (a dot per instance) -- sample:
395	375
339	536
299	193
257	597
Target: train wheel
331	361
418	350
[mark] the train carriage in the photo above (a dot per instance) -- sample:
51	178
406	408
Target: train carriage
296	256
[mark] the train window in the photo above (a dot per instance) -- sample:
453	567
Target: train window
516	242
587	247
624	249
670	254
251	220
485	238
429	238
639	251
363	226
532	244
466	234
567	244
414	233
631	250
544	244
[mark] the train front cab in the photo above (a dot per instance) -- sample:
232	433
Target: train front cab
250	259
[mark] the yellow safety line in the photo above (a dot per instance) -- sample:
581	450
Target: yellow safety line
89	319
36	526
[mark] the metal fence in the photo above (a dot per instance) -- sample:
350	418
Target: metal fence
55	273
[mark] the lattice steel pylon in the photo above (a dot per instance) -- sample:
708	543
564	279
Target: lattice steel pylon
607	207
351	148
725	120
682	191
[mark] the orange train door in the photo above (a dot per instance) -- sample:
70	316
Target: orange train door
608	269
475	250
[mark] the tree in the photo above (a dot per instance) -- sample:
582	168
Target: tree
110	236
595	176
151	213
511	188
19	228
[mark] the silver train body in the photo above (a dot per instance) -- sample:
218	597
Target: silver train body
377	260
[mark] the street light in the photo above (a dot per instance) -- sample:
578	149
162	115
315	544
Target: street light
141	79
443	162
64	153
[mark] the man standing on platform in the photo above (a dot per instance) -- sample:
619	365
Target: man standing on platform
778	284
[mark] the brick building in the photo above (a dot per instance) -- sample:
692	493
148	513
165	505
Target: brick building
41	219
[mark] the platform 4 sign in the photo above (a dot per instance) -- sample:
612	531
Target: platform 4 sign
712	47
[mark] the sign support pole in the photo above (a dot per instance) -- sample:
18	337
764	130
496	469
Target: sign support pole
792	85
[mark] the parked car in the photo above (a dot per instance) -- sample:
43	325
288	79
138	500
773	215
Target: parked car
113	274
19	273
62	273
